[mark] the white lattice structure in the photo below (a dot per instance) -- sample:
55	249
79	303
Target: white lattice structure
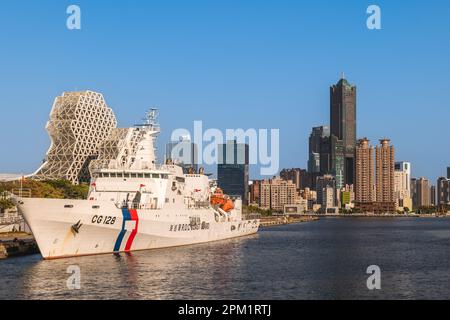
127	148
79	123
115	150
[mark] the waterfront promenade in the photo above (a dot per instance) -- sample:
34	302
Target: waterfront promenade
280	220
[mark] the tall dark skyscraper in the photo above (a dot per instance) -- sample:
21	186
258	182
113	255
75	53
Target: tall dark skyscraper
232	169
343	123
448	172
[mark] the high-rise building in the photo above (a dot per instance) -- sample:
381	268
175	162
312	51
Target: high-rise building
293	175
402	185
443	191
233	169
385	164
423	193
314	162
414	192
79	123
184	153
343	123
433	196
264	195
384	176
316	139
448	172
328	198
364	190
347	196
300	177
276	193
338	162
325	156
322	183
255	192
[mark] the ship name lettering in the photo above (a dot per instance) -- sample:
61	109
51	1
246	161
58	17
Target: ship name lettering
103	220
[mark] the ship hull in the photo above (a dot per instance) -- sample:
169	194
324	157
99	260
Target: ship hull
68	228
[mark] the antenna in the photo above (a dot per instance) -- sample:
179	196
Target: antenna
150	120
343	75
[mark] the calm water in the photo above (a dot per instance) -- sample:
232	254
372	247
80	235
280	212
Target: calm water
326	259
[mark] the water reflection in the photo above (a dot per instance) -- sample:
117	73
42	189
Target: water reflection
180	272
320	260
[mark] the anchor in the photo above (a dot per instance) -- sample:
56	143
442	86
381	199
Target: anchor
76	227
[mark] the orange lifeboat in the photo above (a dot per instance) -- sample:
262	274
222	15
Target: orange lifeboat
227	206
223	201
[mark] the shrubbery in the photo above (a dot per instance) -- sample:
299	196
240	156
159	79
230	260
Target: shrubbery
58	189
255	209
5	204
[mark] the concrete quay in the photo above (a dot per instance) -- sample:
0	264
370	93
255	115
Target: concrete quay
13	244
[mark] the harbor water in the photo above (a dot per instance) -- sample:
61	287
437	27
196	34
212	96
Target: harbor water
325	259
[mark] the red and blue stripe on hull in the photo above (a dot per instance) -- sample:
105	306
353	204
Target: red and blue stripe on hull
128	215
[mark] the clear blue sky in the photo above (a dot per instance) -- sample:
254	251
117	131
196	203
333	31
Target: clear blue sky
232	64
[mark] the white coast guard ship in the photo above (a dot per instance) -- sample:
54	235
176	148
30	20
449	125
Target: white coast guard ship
134	204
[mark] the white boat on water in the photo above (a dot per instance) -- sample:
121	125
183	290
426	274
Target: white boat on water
134	204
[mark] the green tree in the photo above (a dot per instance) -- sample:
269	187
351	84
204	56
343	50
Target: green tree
5	204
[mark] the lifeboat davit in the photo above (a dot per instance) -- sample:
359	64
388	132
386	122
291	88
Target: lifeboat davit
222	200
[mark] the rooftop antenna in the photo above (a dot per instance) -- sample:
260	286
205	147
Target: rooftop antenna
343	75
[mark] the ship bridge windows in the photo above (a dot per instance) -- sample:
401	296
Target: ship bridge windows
134	175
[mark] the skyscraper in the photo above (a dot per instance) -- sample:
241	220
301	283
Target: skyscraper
448	172
343	123
232	169
423	193
338	162
364	172
433	196
443	191
316	139
402	181
255	192
414	192
385	183
322	183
